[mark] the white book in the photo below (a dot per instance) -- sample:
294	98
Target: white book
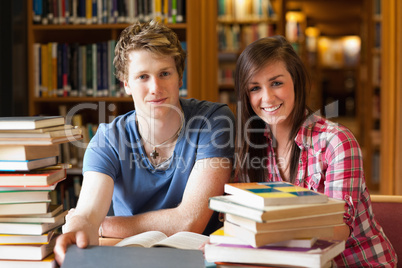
27	252
23	196
30	122
29	228
24	208
25	165
55	214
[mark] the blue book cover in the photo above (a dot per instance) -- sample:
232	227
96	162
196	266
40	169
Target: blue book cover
107	256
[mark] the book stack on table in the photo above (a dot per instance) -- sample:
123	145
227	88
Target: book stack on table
275	223
29	173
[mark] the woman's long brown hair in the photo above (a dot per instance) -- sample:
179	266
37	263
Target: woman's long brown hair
251	142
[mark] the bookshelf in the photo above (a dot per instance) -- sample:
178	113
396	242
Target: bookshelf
104	107
391	88
198	21
239	23
373	82
190	30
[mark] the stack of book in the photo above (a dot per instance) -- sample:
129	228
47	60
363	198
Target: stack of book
29	173
275	223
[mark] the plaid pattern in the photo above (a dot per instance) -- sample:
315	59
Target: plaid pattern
331	162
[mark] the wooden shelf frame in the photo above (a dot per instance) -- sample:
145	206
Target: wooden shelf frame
391	98
201	60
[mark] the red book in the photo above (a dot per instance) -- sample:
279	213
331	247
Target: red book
38	178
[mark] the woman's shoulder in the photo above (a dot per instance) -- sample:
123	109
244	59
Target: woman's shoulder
318	124
318	130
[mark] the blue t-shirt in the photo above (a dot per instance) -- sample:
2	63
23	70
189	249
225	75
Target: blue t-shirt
117	150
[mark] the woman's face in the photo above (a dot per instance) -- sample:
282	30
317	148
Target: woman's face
271	93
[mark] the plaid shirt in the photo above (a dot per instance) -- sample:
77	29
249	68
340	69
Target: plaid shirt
331	162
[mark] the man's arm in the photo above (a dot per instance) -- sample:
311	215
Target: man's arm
82	226
206	179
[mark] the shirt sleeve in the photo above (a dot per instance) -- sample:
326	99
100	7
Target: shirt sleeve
100	155
216	134
344	175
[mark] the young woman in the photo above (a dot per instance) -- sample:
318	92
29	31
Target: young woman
282	140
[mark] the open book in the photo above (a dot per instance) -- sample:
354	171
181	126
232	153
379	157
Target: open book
180	240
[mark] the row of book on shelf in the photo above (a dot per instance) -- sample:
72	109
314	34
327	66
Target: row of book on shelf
78	70
30	171
245	10
235	37
107	11
274	224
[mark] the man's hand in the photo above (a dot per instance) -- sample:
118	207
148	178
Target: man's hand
63	241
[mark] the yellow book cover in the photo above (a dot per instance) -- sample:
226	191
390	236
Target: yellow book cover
261	194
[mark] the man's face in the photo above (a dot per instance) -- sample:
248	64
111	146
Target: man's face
153	82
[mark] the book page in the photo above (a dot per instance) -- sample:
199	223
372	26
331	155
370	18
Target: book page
184	240
146	239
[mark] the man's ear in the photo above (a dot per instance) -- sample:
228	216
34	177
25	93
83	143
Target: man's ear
181	82
127	88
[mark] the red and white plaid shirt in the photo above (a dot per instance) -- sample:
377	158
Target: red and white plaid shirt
331	162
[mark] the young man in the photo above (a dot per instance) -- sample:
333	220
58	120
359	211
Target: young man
160	163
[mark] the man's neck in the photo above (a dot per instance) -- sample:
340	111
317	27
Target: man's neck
157	131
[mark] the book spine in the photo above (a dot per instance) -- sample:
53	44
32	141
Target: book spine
82	5
65	67
140	8
94	70
158	10
99	12
74	12
105	4
174	11
36	53
109	68
115	11
68	11
121	7
84	70
37	11
44	70
130	11
80	70
165	11
45	11
99	84
54	68
50	69
74	70
112	78
146	10
60	59
89	75
50	14
94	19
62	10
180	18
88	12
55	7
105	69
